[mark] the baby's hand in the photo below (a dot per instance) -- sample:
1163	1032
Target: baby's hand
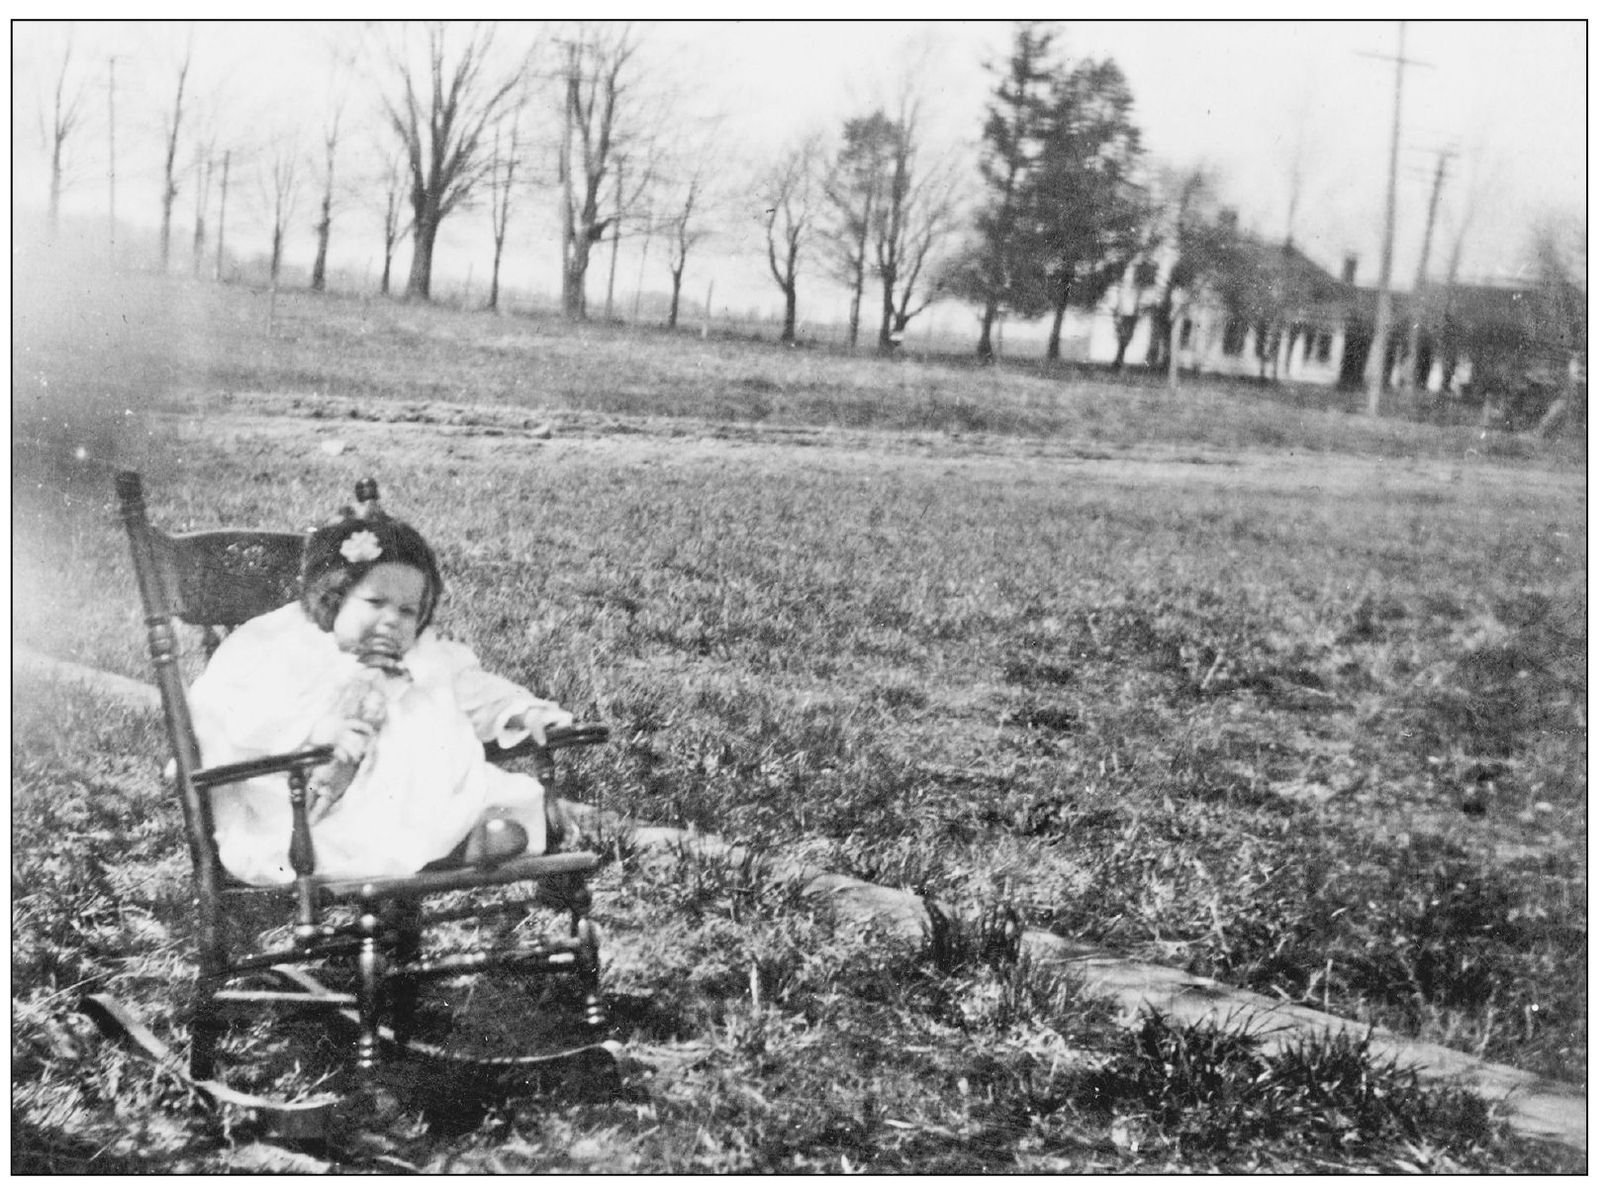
349	737
353	740
539	719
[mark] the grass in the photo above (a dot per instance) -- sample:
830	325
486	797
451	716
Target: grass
1109	664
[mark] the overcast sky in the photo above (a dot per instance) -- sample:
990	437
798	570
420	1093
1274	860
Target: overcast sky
1262	101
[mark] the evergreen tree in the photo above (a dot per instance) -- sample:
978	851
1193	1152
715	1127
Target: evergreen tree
1089	216
1014	131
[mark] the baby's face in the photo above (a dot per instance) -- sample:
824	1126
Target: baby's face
384	607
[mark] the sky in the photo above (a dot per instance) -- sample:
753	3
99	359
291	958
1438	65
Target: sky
1265	104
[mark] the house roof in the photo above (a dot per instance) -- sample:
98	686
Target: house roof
1507	312
1475	306
1281	273
1482	304
1306	282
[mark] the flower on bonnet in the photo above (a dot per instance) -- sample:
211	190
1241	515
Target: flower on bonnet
361	547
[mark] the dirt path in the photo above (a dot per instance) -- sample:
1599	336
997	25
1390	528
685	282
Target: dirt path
360	425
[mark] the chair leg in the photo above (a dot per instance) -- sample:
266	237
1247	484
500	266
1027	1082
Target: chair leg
371	973
206	1028
405	991
594	1012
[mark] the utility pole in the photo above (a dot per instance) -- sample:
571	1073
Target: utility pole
1374	370
1417	322
111	156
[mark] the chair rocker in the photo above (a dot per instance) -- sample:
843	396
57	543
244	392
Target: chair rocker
370	929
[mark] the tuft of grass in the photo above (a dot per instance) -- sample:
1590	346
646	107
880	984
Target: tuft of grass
1204	1093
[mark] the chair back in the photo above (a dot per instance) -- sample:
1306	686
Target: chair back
214	579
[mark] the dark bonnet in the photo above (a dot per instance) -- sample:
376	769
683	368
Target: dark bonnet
327	574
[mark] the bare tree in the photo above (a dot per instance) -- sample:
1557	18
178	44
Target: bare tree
637	176
440	109
505	166
856	189
916	215
202	164
793	189
281	184
379	182
223	209
1193	248
683	231
67	111
1480	191
596	83
332	138
1298	158
207	122
1557	269
342	61
170	134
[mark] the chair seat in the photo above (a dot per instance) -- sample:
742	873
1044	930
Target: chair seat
512	871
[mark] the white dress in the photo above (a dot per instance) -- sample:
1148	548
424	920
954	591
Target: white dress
423	784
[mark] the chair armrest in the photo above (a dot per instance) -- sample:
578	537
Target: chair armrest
556	738
305	758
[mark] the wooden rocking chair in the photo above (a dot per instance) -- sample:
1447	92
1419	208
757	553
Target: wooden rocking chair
219	579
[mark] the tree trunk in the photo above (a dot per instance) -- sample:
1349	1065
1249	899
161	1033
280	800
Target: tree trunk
424	250
1175	332
274	257
854	314
385	273
1126	326
1161	345
991	309
198	241
55	185
675	296
223	208
790	312
320	259
1053	349
497	272
885	323
614	258
168	196
575	284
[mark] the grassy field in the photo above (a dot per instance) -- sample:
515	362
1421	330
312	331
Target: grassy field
1282	696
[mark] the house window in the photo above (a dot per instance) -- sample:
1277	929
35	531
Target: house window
1322	346
1235	337
1184	333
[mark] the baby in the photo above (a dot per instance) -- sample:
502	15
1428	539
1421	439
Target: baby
356	664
